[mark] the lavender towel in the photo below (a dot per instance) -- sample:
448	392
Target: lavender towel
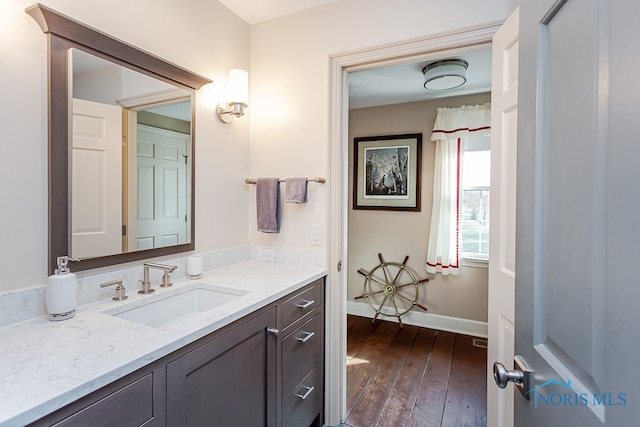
267	195
296	190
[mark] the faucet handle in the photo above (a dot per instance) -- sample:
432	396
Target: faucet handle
120	290
166	280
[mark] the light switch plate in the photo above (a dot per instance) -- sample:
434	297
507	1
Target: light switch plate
316	234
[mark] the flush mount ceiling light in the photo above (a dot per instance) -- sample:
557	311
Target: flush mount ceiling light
445	74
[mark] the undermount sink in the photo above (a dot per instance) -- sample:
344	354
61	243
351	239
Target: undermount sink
161	311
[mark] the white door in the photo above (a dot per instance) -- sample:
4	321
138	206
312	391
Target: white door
502	256
96	181
577	236
163	198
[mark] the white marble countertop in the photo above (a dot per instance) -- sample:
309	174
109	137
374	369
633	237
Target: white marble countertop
45	365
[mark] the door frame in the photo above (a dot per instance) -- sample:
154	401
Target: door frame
408	51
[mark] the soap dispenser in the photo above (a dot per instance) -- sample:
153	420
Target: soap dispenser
61	293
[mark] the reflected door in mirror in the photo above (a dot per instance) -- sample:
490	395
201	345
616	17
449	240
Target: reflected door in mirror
162	184
96	181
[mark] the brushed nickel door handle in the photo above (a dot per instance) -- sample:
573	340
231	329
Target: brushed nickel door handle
503	376
519	376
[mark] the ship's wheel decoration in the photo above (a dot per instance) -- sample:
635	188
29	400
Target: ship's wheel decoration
391	289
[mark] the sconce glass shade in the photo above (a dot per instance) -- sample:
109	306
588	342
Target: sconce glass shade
238	87
446	74
238	96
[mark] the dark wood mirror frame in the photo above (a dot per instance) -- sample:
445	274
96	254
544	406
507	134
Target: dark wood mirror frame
64	33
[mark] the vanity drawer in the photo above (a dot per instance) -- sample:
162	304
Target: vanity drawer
304	403
302	350
301	304
131	405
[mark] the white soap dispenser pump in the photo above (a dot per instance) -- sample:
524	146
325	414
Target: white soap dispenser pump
61	293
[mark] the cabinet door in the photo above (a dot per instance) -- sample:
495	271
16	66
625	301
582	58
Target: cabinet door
229	381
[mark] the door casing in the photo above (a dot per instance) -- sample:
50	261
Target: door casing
415	50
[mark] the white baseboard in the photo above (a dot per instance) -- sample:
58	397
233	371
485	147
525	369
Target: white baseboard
426	320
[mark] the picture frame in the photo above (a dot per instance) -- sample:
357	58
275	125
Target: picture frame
387	172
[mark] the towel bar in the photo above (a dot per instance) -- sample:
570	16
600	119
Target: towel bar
317	179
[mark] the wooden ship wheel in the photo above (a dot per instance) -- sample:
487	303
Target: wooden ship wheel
391	289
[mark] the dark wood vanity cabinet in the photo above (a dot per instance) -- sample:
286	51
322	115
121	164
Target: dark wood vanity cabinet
265	369
229	381
301	320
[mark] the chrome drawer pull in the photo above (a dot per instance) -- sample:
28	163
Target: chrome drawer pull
306	337
273	331
304	304
304	396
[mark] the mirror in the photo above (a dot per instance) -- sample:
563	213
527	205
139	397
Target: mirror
130	161
105	203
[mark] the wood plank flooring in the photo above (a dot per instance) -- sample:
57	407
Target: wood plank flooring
413	377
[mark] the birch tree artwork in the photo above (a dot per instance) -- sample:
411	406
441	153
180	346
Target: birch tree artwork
386	172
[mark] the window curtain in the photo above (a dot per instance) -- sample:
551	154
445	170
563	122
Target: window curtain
452	128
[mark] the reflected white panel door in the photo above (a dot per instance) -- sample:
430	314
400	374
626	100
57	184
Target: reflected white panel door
96	181
502	256
163	199
577	234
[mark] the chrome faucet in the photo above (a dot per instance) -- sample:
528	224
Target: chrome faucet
166	279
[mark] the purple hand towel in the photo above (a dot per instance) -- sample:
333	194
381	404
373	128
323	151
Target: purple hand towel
296	190
267	195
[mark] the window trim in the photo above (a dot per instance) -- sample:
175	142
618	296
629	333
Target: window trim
467	260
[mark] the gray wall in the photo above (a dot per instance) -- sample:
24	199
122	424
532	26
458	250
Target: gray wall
396	234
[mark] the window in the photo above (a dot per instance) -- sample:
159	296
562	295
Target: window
476	175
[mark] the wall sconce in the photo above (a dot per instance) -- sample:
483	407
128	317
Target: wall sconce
238	94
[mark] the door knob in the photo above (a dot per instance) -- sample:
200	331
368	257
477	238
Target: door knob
502	376
519	375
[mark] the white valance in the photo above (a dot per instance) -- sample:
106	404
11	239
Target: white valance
454	123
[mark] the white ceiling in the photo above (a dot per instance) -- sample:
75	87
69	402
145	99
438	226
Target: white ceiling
256	11
398	84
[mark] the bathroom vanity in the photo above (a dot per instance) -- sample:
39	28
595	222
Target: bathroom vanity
178	356
257	360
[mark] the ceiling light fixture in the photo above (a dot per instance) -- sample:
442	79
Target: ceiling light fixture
445	74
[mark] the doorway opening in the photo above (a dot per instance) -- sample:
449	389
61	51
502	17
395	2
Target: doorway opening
413	374
425	50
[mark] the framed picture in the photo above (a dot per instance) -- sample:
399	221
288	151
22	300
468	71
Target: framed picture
387	172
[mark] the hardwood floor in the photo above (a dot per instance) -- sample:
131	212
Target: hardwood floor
413	376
